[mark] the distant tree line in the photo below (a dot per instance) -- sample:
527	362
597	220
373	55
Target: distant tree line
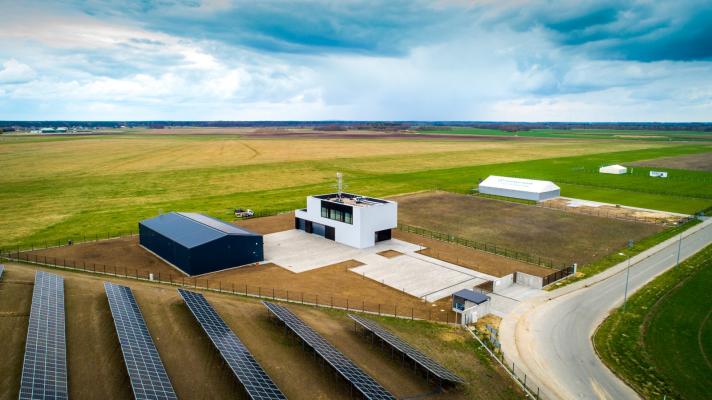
370	125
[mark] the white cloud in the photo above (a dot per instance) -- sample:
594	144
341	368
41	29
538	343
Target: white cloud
14	72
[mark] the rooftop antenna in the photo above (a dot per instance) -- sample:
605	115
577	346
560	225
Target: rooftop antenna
339	184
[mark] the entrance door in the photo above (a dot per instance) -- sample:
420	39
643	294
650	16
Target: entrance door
330	233
383	235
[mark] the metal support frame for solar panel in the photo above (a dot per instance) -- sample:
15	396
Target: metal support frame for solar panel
44	369
406	350
249	373
360	380
147	374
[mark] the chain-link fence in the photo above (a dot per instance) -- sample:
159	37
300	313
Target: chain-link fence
217	285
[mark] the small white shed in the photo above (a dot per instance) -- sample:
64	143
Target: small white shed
614	169
519	188
470	305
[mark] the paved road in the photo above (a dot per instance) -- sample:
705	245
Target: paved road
549	336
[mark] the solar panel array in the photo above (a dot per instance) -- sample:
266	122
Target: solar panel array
364	383
149	379
409	351
44	370
250	374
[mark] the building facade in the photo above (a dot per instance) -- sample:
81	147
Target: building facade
354	220
197	244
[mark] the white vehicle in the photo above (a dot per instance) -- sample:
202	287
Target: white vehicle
244	213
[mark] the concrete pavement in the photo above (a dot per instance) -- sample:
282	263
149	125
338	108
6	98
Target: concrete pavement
549	336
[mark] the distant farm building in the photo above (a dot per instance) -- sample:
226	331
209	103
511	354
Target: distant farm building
197	244
353	220
613	169
519	188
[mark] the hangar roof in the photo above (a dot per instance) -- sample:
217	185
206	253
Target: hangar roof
191	229
520	184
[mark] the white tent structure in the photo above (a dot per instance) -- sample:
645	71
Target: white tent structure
614	169
519	188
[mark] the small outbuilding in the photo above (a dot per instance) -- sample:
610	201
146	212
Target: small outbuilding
519	188
197	244
470	305
614	169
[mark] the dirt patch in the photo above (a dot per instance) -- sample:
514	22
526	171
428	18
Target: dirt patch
195	368
389	253
489	319
696	162
467	257
611	211
122	256
267	225
333	284
560	236
15	300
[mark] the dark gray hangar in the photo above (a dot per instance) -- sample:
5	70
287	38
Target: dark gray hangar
197	244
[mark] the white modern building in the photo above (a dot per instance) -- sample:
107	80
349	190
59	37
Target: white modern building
614	169
354	220
519	188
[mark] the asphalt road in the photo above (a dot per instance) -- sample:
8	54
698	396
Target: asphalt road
549	336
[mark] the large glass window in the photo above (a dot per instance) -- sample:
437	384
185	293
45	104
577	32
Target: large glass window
337	212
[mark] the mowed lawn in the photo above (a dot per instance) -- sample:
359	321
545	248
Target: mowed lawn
662	344
58	188
562	237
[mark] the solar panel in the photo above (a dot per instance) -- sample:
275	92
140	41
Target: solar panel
149	379
44	369
2	268
410	352
364	383
250	374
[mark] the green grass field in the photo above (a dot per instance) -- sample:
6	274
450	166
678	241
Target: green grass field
584	134
662	344
57	188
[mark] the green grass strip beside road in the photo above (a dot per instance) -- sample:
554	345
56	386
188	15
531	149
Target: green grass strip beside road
662	344
616	258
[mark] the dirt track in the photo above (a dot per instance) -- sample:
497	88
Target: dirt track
96	367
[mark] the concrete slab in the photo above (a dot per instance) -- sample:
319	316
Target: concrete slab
503	302
298	251
413	273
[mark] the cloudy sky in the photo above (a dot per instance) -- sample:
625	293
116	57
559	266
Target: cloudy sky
356	60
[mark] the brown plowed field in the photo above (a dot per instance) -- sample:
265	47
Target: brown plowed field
561	236
696	162
96	368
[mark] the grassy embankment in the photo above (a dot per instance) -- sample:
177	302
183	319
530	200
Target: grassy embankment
54	189
662	344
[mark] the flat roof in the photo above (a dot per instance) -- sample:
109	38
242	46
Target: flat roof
192	229
352	199
471	295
